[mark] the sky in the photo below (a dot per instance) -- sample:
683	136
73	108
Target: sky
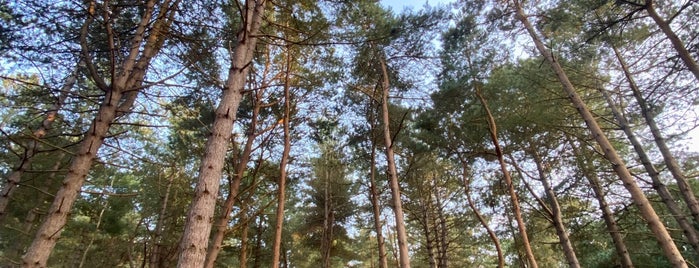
399	5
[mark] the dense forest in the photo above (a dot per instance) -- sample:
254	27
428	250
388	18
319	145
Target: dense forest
253	133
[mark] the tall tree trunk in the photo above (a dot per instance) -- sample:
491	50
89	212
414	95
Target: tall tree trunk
556	216
130	79
665	196
479	216
586	167
664	26
508	180
32	146
674	168
155	258
375	206
99	222
326	240
193	246
644	206
443	232
241	166
243	259
281	195
404	255
429	240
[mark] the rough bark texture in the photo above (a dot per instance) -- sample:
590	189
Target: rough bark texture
404	255
639	198
682	51
556	216
241	166
508	181
193	246
129	79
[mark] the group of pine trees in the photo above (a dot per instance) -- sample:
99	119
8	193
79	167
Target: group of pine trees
482	133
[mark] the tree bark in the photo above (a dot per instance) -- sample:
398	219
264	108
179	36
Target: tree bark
585	166
639	198
443	233
281	195
556	216
664	26
404	256
375	206
241	166
130	79
674	168
479	216
326	240
193	246
665	195
154	258
508	180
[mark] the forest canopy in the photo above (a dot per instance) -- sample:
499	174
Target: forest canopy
254	133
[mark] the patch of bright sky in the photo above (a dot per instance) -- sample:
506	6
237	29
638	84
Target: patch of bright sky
399	5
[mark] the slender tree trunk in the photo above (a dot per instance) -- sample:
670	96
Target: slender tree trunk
664	26
508	180
556	216
644	206
98	224
404	256
129	80
257	251
479	216
154	259
429	241
326	240
674	168
243	259
607	214
665	196
33	145
375	206
281	196
193	246
443	241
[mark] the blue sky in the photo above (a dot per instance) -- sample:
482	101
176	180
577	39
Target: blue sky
399	5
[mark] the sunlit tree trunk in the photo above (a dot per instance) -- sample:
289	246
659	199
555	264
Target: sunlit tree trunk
685	189
241	166
194	243
664	26
404	255
281	195
508	181
665	196
375	206
585	165
644	206
479	216
556	216
129	79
